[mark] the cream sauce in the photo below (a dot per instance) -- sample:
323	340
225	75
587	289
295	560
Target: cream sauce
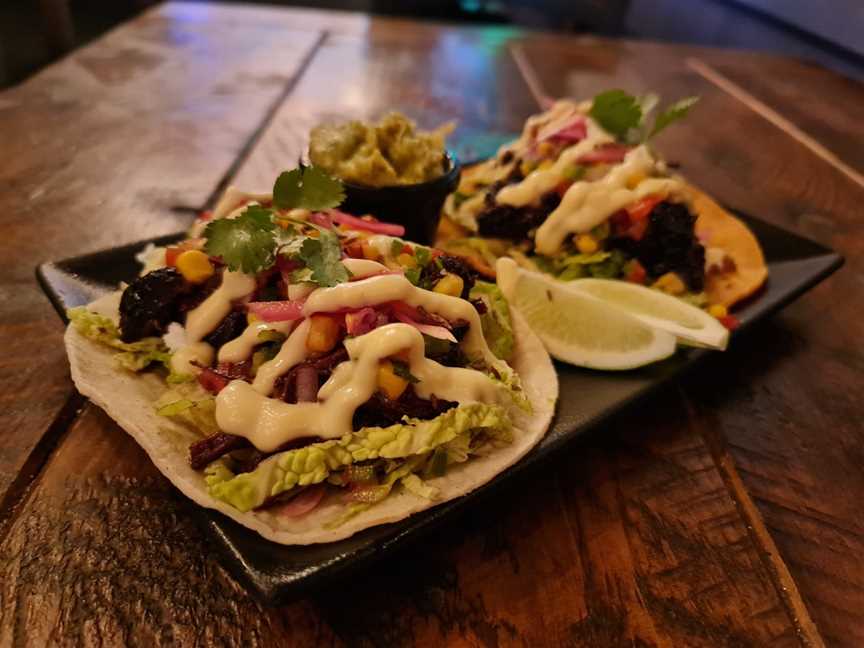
588	204
240	348
204	318
243	410
541	181
182	360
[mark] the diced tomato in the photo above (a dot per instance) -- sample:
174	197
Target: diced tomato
636	273
620	221
171	253
205	215
730	322
354	250
407	249
562	187
637	229
640	210
212	381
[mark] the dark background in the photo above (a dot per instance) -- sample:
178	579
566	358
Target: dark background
828	32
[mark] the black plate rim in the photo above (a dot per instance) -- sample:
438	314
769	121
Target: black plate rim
282	589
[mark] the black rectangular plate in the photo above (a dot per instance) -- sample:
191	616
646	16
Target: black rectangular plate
277	573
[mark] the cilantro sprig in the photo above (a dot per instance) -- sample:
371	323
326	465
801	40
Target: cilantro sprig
245	243
322	255
251	241
625	116
307	188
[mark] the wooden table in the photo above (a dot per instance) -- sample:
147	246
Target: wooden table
725	513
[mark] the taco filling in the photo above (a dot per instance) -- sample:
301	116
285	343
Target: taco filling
581	194
315	356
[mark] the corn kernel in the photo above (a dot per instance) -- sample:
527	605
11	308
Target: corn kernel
195	266
449	284
671	283
251	318
634	180
389	383
323	333
369	250
407	260
545	149
586	244
546	164
717	310
284	224
527	167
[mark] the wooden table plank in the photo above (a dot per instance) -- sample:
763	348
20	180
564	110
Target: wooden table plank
627	539
632	537
97	150
785	395
468	76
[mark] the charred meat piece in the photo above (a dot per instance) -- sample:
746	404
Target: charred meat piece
206	451
149	303
229	328
514	223
382	411
669	245
290	388
449	264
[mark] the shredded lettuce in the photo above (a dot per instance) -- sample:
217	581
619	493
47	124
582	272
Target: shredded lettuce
604	265
312	464
134	356
188	403
497	327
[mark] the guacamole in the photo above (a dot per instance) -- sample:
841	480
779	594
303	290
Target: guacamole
391	152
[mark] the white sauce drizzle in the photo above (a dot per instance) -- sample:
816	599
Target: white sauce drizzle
268	423
588	204
240	348
205	317
197	352
541	181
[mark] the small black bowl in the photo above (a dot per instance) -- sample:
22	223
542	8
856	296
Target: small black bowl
416	206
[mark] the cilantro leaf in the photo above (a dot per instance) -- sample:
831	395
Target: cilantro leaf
307	188
402	370
287	189
244	243
617	112
673	113
323	257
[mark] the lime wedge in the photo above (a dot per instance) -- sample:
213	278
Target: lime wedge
691	325
577	327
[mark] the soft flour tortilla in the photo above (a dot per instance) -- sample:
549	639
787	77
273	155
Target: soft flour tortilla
717	228
128	398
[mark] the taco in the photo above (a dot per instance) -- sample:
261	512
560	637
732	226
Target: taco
310	374
581	194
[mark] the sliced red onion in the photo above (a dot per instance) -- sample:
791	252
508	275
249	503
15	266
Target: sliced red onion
307	384
303	503
607	153
361	321
574	131
277	311
377	227
432	330
321	219
212	381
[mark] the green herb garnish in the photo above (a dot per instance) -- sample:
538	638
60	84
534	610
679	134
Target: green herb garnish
624	115
322	256
244	243
401	369
307	188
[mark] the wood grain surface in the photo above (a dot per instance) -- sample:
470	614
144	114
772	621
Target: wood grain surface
649	533
97	150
